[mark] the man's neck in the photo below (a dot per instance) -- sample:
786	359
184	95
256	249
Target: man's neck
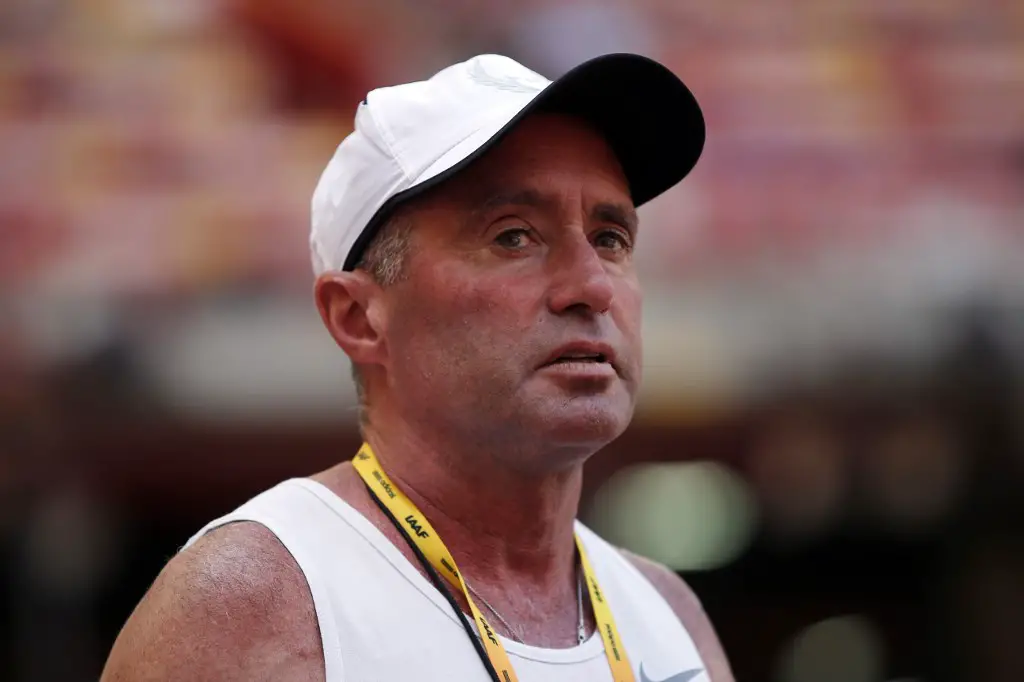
499	523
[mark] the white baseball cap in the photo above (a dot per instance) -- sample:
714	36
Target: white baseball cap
411	137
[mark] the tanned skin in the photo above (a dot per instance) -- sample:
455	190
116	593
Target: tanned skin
530	250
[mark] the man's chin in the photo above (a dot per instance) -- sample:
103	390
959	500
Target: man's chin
585	423
564	436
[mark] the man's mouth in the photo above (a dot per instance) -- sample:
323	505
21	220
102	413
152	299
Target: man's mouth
582	353
579	357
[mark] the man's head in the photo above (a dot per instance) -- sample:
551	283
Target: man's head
474	245
496	279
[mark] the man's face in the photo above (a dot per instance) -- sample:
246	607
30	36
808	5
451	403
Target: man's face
518	265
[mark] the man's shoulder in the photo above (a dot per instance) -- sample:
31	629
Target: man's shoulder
242	565
687	607
233	605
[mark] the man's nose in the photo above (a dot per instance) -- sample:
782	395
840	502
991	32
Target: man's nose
579	279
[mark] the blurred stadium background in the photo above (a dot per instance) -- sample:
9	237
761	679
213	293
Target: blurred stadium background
830	445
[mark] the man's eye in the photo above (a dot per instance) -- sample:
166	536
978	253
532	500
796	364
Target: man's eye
613	239
516	238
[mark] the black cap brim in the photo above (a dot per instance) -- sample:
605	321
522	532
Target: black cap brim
648	116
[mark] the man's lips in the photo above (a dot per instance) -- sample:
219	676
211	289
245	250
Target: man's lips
582	352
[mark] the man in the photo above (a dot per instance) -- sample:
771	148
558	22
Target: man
473	240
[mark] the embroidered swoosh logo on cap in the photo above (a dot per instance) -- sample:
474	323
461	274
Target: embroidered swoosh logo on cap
684	676
505	74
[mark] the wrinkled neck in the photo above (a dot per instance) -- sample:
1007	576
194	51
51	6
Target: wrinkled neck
500	524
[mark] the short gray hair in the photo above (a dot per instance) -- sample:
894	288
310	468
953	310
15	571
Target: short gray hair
384	257
385	260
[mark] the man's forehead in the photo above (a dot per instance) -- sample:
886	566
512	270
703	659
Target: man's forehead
545	133
517	171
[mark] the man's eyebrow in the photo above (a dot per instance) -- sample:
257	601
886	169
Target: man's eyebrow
516	197
501	199
619	214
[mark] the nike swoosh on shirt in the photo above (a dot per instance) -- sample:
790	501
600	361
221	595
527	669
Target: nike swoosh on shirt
684	676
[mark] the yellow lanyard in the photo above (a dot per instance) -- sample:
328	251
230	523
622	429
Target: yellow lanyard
419	530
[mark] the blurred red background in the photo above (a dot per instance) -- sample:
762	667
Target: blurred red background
835	307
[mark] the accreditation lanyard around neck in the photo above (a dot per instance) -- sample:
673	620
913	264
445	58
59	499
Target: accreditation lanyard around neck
415	525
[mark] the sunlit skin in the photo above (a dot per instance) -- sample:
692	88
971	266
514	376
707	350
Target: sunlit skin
526	251
537	263
529	250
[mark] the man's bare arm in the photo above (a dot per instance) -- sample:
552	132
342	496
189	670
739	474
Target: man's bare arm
690	612
234	606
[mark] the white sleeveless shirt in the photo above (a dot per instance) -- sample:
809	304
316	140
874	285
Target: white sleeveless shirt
381	620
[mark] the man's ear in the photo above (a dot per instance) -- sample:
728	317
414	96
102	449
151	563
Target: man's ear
351	308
